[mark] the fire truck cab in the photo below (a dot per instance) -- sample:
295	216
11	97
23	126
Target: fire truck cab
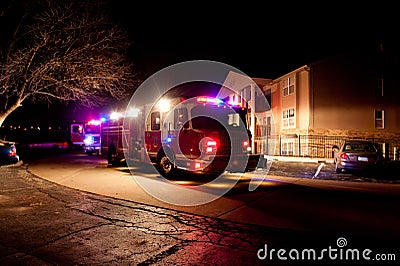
87	136
201	134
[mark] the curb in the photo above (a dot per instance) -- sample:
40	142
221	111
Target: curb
18	164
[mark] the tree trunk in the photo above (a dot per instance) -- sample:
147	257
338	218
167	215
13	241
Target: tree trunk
5	114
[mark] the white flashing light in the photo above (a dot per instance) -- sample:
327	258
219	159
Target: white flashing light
89	140
205	99
163	104
115	115
232	103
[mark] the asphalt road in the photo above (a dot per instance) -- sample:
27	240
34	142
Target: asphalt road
45	223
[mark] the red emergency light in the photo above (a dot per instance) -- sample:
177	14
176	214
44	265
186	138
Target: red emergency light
94	122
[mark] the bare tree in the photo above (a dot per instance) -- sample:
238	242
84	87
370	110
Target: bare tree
63	50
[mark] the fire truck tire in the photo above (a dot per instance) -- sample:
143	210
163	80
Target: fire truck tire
165	163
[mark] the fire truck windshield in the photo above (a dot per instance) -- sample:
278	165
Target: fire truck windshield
213	117
90	128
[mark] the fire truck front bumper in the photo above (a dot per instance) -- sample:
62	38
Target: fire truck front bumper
92	148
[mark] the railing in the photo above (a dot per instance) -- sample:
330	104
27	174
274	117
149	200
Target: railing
314	146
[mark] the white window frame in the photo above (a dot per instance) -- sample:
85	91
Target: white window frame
289	118
289	85
287	147
379	121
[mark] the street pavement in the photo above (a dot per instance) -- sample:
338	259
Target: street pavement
44	223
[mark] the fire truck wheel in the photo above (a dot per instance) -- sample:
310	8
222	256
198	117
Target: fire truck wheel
165	165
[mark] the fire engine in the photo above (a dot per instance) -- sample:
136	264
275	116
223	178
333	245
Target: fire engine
201	134
87	136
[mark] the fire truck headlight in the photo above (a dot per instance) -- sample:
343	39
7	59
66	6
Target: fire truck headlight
115	116
88	140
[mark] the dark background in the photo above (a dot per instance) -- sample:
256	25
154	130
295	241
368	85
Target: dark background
262	40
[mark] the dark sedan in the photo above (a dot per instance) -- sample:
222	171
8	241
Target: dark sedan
8	153
357	155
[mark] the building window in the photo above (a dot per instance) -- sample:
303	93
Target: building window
180	118
155	121
288	118
287	147
269	125
379	119
288	85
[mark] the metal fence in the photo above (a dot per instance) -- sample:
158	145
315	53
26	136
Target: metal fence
316	146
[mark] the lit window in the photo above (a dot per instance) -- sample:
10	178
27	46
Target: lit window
379	119
288	118
155	121
287	147
288	85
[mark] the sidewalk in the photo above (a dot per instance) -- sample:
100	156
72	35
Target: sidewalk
300	159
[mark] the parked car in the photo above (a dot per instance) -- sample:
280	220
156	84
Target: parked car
8	153
357	155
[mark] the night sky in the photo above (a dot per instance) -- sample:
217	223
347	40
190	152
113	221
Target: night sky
263	41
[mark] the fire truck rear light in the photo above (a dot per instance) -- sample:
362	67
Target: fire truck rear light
246	146
197	165
211	143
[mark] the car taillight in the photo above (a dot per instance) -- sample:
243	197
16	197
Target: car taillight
12	153
344	156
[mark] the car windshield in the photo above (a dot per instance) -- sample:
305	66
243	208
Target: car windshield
360	146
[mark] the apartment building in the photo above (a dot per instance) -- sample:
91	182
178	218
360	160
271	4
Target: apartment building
318	105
